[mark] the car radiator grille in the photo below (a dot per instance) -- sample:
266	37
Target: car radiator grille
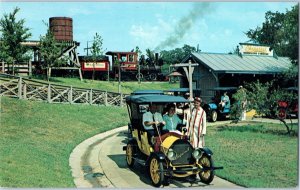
183	151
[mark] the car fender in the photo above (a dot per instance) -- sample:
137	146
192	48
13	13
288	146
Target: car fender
132	141
207	151
159	155
213	106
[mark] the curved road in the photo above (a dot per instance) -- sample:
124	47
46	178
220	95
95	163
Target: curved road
100	162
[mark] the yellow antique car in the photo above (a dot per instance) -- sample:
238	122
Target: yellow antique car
166	155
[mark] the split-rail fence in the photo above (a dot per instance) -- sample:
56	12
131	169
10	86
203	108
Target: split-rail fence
28	89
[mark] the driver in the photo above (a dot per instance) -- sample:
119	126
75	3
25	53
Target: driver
151	119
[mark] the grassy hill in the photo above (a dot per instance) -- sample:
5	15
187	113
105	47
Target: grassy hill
37	139
112	86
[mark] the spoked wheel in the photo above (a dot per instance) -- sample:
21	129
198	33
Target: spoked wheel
152	76
281	113
214	116
156	172
130	151
139	76
206	175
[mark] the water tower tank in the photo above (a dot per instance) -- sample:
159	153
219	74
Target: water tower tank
62	28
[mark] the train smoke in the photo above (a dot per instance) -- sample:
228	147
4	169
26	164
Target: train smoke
184	24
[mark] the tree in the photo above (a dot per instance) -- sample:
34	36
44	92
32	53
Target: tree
96	51
176	55
13	32
263	98
280	30
51	52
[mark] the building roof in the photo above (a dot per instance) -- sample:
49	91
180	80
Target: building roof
247	64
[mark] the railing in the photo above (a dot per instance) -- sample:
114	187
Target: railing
21	67
28	89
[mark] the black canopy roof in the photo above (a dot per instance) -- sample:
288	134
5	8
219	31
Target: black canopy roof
155	98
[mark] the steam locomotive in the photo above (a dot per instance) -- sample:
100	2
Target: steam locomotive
126	64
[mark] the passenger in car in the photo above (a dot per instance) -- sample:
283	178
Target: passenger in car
171	118
151	120
224	100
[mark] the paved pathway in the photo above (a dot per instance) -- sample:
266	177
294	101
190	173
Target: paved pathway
100	162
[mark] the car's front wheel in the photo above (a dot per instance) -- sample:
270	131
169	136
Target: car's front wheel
156	172
207	174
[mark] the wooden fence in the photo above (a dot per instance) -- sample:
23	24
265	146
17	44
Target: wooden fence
22	67
28	89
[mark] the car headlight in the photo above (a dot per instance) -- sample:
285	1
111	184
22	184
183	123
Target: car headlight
171	154
197	153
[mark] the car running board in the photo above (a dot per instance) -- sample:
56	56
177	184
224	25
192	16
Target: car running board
140	161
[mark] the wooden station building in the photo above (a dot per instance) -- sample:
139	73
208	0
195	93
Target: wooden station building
252	63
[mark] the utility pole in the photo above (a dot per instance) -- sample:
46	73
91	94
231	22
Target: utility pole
87	48
188	69
139	72
119	76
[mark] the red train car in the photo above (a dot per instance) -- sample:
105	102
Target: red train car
127	62
88	63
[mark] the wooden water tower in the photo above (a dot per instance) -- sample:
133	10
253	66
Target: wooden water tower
62	29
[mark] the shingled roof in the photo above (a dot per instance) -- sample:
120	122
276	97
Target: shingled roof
247	64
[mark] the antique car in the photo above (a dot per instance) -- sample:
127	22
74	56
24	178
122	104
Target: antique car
184	92
165	156
144	92
213	110
288	109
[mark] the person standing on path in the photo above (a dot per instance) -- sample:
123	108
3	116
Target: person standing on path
196	125
243	100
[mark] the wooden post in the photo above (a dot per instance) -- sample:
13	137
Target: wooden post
80	74
25	91
30	68
49	93
87	96
91	96
3	67
13	68
20	88
121	100
105	99
70	95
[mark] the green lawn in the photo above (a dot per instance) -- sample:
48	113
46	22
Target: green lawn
37	139
255	155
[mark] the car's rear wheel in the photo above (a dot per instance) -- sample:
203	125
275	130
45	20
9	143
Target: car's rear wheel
130	151
156	172
214	115
207	175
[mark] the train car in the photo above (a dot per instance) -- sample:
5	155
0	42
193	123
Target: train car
99	64
126	63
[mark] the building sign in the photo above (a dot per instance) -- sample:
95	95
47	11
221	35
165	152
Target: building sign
256	49
98	65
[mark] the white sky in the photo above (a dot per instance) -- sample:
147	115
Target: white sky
217	27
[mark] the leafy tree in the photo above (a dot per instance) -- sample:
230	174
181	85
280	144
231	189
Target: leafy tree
96	50
51	52
12	33
176	55
281	31
263	98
